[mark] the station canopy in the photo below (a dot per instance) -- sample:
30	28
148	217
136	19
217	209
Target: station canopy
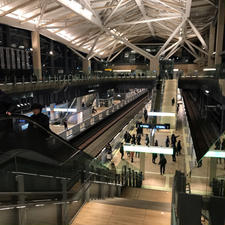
102	28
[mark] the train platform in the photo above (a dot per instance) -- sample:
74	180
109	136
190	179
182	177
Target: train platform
60	128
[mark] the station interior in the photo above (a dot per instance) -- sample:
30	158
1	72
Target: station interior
112	112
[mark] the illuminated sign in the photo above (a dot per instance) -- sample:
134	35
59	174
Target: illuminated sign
161	114
215	154
157	126
146	149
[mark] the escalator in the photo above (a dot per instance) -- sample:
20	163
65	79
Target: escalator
29	149
43	158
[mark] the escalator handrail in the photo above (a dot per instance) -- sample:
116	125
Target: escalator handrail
28	119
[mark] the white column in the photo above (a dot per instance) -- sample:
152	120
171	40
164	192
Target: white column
220	31
37	68
86	66
212	32
154	65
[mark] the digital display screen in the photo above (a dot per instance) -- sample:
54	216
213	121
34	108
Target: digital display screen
157	126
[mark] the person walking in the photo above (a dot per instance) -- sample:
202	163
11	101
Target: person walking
174	152
178	150
145	115
167	142
133	142
65	125
154	155
121	150
173	101
223	148
162	164
139	139
147	140
108	152
217	147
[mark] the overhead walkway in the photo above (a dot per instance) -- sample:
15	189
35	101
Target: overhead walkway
169	92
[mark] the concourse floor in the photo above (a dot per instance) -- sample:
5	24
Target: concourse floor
152	177
199	180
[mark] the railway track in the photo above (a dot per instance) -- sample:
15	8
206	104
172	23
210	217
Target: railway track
95	138
203	131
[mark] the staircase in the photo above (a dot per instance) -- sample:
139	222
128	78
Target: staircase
135	206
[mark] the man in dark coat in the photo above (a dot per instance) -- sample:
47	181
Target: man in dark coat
162	164
37	135
7	105
39	117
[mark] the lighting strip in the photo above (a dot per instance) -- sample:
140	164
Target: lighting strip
146	149
215	154
61	110
209	69
161	114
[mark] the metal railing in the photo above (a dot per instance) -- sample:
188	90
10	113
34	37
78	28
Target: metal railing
84	125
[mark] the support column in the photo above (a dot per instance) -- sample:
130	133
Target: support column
37	68
213	165
212	32
220	31
154	66
87	66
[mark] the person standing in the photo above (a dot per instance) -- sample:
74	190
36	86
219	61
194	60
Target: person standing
121	150
174	152
162	164
39	117
167	142
174	139
217	147
7	107
145	115
178	148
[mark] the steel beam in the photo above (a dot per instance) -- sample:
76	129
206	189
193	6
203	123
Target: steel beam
145	21
170	38
141	7
113	12
116	54
195	46
198	34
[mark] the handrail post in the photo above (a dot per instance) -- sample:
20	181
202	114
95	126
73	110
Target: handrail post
64	199
21	200
129	177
